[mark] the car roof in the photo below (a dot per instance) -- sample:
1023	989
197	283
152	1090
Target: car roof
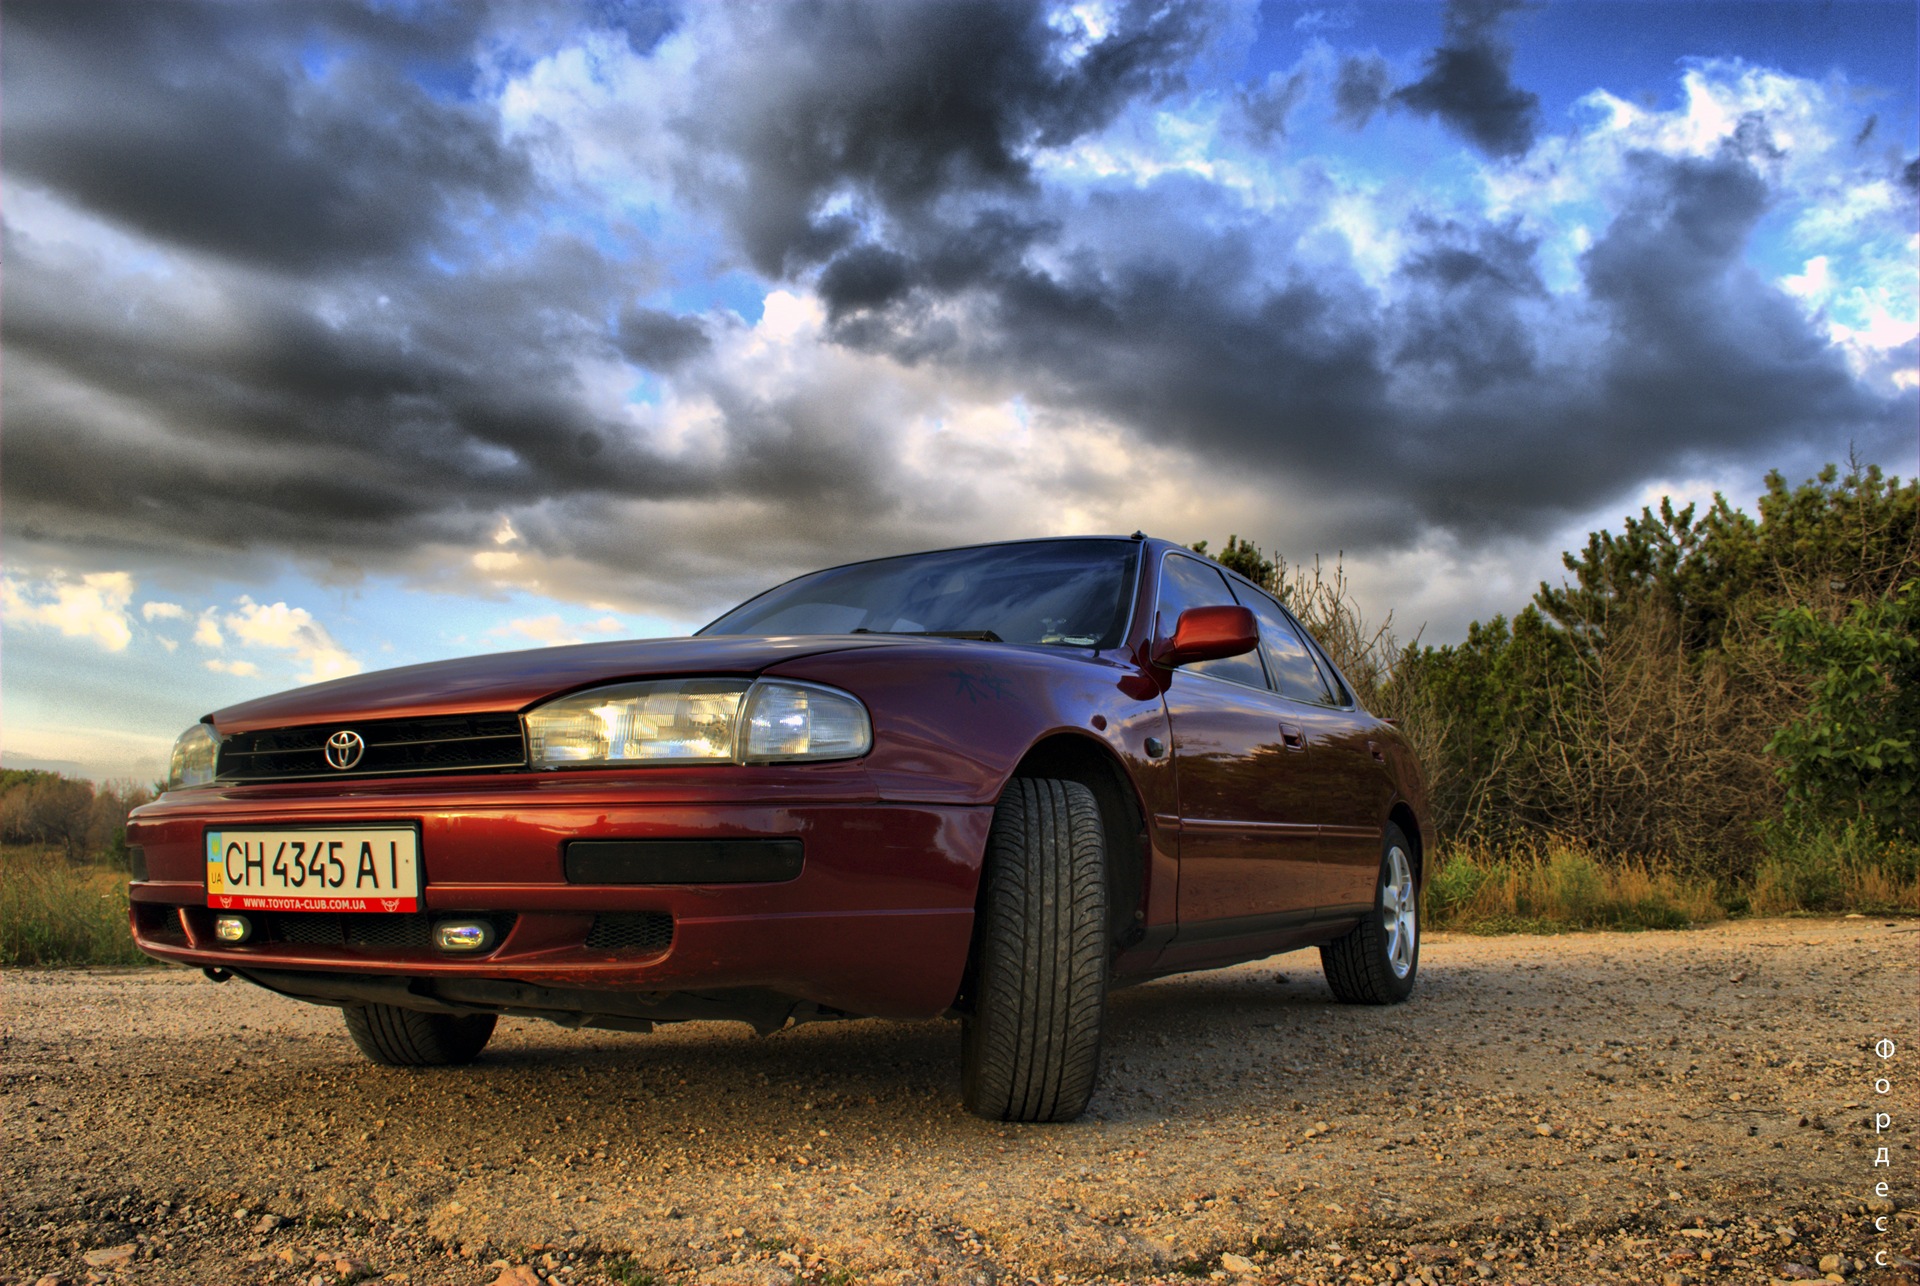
1136	538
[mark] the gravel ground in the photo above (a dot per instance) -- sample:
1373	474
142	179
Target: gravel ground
1663	1108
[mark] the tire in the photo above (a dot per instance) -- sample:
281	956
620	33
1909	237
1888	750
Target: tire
1377	962
398	1037
1030	1047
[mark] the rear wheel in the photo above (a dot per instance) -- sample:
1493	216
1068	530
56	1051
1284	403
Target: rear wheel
410	1038
1375	963
1030	1047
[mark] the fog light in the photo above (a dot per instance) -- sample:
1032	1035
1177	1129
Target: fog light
463	935
232	929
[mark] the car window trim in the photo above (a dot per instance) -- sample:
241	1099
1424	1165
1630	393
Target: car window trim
1326	663
1314	650
1221	678
1339	696
1258	656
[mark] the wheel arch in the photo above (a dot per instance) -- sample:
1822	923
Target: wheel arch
1401	815
1074	756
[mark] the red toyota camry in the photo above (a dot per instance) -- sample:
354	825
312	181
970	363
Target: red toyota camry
990	782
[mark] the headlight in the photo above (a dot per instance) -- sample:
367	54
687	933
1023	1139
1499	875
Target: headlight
194	757
698	721
803	721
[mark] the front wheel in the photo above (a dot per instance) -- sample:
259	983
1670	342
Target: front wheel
399	1037
1030	1047
1376	962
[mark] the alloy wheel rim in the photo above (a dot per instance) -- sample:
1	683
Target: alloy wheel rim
1399	911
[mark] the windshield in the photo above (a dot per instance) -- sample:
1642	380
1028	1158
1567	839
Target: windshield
1072	593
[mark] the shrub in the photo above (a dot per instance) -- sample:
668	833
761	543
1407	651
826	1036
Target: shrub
1855	752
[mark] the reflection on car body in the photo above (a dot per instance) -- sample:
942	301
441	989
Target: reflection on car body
990	782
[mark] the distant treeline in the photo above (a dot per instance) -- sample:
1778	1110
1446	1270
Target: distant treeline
76	816
1711	691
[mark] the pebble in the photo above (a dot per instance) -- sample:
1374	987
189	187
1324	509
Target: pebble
1238	1265
110	1256
518	1275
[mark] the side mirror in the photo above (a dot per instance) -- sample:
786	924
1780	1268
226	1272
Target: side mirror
1208	633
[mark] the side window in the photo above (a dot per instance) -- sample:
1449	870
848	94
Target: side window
1188	582
1341	695
1288	660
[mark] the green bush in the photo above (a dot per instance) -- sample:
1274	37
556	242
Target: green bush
1455	884
1855	752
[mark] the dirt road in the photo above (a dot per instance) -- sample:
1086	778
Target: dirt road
1655	1107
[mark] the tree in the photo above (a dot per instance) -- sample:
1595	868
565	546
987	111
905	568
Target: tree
46	808
1245	557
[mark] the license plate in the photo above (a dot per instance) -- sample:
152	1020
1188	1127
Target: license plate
366	868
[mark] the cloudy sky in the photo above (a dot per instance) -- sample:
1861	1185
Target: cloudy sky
339	336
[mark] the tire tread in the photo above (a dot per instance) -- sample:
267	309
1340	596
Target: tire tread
396	1037
1031	1049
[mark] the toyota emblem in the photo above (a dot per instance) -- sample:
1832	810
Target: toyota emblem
344	749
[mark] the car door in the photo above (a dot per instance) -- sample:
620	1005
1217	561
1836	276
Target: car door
1348	782
1249	837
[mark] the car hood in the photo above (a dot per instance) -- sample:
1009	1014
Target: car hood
515	680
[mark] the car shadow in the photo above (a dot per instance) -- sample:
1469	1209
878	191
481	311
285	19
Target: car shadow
879	1070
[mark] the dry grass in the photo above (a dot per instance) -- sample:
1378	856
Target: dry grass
57	912
1549	885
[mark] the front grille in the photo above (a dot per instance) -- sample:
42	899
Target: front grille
641	932
327	929
393	748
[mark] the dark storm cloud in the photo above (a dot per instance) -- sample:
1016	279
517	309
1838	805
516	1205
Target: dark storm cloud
406	424
1469	85
199	125
660	339
1700	359
1461	310
896	105
1699	338
1361	88
373	373
1465	395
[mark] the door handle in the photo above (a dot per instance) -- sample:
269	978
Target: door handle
1292	737
1379	755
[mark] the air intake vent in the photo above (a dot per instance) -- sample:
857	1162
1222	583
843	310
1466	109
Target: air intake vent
639	932
377	748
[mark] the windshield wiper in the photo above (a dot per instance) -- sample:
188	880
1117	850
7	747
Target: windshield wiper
978	636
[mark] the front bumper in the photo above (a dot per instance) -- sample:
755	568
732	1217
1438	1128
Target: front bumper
877	922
